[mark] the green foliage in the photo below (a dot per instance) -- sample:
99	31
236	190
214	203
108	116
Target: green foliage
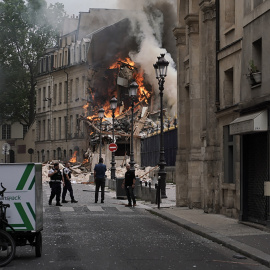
26	30
252	67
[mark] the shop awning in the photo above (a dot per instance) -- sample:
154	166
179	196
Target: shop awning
256	122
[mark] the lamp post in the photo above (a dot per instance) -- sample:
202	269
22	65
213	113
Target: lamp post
161	72
132	91
100	115
113	103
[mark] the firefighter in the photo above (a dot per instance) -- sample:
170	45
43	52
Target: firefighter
55	184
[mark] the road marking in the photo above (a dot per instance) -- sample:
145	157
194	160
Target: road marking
124	209
66	209
95	208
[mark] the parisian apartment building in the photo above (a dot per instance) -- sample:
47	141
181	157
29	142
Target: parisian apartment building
223	96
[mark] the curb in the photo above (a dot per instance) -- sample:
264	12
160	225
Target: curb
239	247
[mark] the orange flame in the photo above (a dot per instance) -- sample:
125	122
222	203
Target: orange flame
74	157
143	94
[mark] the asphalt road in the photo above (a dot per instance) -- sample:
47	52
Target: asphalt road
86	236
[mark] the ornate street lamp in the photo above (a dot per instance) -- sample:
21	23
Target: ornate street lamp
113	103
161	67
101	112
132	91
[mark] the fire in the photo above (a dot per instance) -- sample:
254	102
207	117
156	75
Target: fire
74	157
143	94
127	61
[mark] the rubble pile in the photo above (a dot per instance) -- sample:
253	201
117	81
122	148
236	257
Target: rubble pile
145	124
82	176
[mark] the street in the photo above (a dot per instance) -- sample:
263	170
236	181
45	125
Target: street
110	236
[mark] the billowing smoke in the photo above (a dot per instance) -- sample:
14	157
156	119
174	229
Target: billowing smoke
152	23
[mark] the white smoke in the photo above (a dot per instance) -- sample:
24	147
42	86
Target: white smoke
148	30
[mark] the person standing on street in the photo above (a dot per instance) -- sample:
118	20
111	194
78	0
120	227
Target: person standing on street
67	184
129	185
55	184
99	175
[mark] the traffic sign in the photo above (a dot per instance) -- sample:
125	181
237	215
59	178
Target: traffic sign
113	147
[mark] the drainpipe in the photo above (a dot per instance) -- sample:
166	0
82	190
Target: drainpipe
217	51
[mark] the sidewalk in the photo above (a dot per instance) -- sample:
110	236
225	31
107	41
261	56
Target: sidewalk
252	242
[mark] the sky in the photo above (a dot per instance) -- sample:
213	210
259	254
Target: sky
75	6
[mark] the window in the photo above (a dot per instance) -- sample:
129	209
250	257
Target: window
66	126
59	128
39	130
49	129
257	54
60	93
228	88
83	87
54	128
228	151
49	97
21	149
77	90
39	99
256	3
229	13
71	125
44	130
44	96
66	92
70	90
25	129
54	94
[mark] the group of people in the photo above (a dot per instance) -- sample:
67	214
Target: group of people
128	183
58	178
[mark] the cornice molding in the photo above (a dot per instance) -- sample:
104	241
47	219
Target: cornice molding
180	35
192	22
208	7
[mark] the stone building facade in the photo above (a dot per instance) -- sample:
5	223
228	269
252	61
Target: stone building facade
223	112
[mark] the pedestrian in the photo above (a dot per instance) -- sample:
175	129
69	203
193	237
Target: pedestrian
129	185
67	184
99	175
55	183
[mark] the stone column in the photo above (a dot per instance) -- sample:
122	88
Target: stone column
182	113
210	141
195	110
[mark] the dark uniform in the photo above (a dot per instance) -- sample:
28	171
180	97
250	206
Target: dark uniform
55	184
99	172
67	186
129	179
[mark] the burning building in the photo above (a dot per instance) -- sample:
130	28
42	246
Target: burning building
90	65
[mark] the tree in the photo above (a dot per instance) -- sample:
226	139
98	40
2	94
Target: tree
26	30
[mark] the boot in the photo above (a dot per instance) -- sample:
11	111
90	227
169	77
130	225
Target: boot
64	201
50	202
74	201
58	204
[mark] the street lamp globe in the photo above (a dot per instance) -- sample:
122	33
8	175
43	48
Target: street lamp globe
161	66
133	88
101	112
113	103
